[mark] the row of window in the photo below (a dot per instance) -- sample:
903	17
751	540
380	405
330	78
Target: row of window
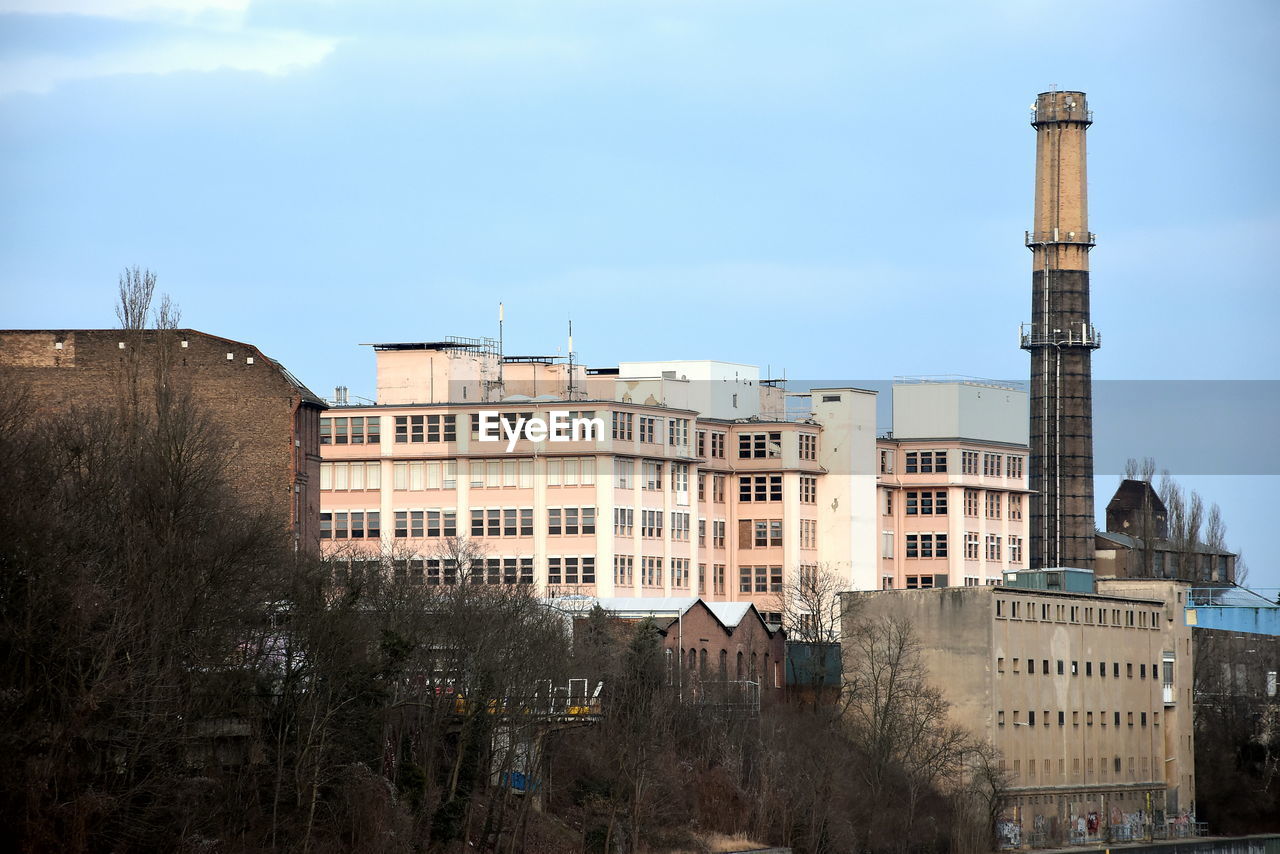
1074	668
1149	765
1046	718
934	503
936	462
760	579
1029	610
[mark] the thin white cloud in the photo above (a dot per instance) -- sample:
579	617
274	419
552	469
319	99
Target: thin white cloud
129	9
274	53
200	36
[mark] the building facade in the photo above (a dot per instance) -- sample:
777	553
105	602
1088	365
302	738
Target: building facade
269	418
953	496
1085	696
684	479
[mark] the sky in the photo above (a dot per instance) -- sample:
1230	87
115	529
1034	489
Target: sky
835	189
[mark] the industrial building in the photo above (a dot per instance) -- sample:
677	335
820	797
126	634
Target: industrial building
263	411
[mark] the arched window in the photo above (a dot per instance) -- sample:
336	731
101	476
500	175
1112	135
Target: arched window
724	664
693	659
767	671
702	662
740	673
754	672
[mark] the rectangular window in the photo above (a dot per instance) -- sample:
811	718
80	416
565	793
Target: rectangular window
809	489
971	502
1015	507
648	429
763	487
993	505
1015	549
808	446
993	547
717	445
968	462
651	475
622	423
759	446
992	464
1014	466
971	551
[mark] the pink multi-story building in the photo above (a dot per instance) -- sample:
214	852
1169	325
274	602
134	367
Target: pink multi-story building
953	497
681	479
686	478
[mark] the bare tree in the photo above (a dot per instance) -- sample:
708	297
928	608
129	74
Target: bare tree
901	723
810	605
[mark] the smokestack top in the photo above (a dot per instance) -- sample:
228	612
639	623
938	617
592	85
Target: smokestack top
1061	107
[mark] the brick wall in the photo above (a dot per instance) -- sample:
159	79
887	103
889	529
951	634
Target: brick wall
270	424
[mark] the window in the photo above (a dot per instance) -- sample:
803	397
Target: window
760	579
680	529
927	503
651	523
718	578
349	525
572	520
808	533
623	521
571	471
680	479
650	475
571	570
888	502
1059	666
651	571
993	547
926	545
430	428
717	488
717	533
1015	550
624	473
1015	507
623	570
759	533
1014	466
761	487
926	462
354	430
808	446
886	461
968	462
417	475
622	423
971	545
759	446
679	572
702	487
971	502
678	434
993	505
352	476
1062	718
809	489
717	445
992	464
648	429
702	535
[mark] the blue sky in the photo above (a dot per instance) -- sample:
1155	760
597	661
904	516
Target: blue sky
835	188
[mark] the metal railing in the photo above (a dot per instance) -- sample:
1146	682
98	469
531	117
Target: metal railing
1083	335
1057	235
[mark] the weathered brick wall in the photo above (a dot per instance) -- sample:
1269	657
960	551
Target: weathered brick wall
272	434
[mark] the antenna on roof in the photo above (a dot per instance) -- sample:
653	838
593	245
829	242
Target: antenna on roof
500	319
570	389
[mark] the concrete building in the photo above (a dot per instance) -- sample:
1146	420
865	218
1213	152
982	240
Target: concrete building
658	498
1061	338
269	418
953	497
1085	695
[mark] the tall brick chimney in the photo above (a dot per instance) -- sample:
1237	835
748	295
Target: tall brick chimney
1061	339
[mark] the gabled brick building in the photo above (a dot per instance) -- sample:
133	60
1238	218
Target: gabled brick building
269	418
